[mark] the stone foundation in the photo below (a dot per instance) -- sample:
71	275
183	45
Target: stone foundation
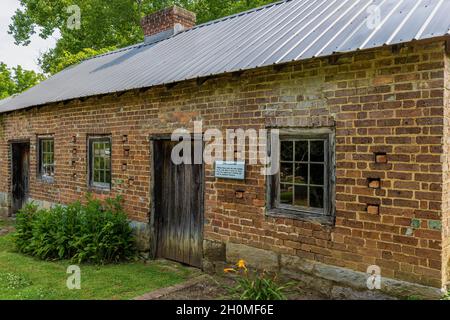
142	235
4	204
331	281
42	203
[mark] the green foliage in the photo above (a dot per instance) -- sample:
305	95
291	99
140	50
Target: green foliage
40	279
258	286
13	281
254	286
16	80
96	232
104	23
66	59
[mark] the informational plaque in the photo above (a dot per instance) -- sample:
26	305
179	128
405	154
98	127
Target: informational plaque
230	170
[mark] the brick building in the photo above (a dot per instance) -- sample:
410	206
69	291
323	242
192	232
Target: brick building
364	126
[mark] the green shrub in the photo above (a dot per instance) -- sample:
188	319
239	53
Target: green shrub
96	232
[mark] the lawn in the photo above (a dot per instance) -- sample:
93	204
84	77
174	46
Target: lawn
24	277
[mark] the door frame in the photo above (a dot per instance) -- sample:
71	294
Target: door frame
11	168
153	139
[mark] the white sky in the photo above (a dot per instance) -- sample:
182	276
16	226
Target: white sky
14	55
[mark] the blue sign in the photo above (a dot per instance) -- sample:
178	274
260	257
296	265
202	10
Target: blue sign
230	170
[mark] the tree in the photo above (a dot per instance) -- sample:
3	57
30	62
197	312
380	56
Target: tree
16	80
105	24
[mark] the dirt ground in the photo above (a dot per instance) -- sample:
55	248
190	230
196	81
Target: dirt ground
6	225
209	287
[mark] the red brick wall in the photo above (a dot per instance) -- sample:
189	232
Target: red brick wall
446	177
377	101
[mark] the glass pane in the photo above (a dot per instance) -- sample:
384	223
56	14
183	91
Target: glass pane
96	149
287	150
286	193
301	196
316	197
301	151
301	173
107	176
96	163
286	172
317	173
96	176
317	151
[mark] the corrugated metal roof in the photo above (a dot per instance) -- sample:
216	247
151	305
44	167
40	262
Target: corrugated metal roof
281	32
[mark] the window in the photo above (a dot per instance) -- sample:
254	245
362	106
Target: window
306	173
46	158
100	162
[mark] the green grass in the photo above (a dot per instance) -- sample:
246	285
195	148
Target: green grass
24	277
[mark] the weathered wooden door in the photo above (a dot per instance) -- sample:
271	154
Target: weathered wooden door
20	174
178	196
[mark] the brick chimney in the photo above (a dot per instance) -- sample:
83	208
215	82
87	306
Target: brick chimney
166	22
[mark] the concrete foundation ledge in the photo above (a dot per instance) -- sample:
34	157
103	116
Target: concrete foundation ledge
331	281
43	204
4	204
142	236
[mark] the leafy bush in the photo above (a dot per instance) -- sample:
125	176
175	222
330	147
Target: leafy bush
96	232
257	286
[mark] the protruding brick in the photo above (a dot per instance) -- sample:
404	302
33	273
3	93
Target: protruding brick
374	183
380	158
373	209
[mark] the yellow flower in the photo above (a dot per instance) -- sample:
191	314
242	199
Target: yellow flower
241	264
226	270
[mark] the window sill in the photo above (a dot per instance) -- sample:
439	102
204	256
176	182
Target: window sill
99	190
301	215
46	180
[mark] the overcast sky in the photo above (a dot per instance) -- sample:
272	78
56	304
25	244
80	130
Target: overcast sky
14	55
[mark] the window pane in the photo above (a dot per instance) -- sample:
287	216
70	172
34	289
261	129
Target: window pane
286	194
287	150
96	163
46	158
317	173
301	173
96	175
316	197
317	151
301	196
101	167
301	151
286	172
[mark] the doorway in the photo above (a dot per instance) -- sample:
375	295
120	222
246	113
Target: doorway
178	206
20	163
